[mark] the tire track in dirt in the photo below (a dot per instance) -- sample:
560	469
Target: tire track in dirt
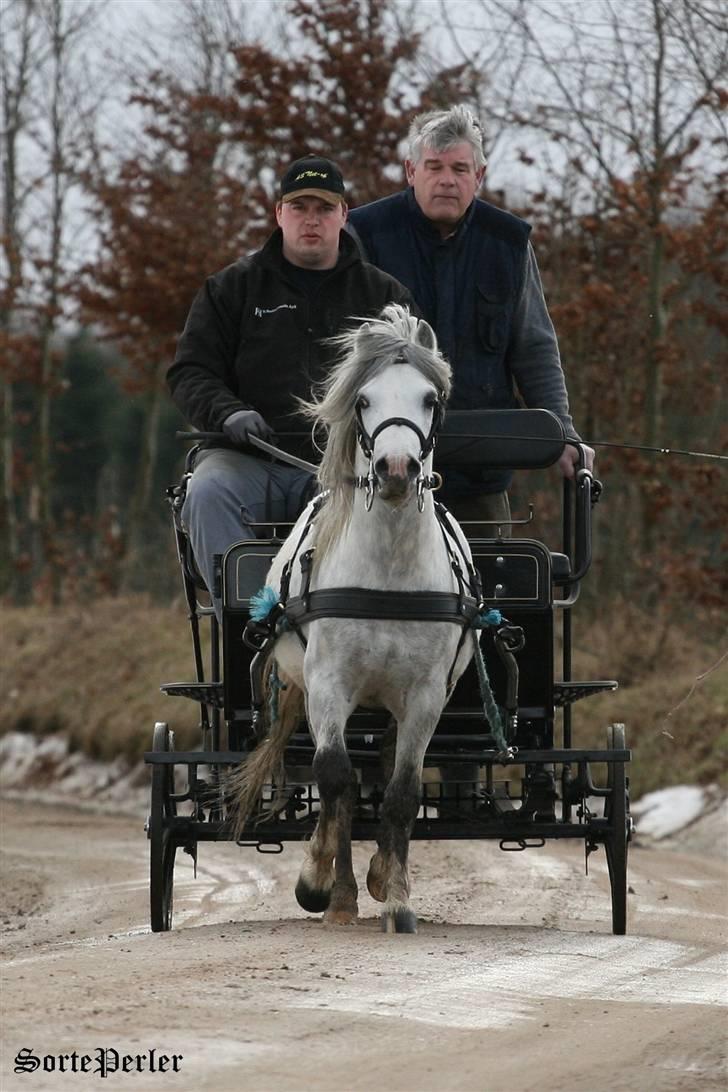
514	981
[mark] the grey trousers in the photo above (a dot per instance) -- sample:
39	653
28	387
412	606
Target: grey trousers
228	493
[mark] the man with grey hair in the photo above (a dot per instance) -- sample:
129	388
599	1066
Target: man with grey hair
473	273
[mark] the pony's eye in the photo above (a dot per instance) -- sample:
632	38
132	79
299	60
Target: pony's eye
430	401
362	402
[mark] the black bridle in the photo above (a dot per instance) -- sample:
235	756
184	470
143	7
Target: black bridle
427	443
366	442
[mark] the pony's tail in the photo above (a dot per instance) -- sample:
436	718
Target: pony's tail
261	767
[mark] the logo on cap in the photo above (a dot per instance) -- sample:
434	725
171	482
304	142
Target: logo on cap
313	175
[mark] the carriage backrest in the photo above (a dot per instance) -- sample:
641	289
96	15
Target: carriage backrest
518	439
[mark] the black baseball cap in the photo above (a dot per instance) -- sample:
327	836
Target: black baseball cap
313	176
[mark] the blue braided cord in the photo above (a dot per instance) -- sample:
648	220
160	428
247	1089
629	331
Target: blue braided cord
490	617
262	603
489	706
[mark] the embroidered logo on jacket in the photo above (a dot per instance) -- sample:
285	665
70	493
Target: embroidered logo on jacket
260	311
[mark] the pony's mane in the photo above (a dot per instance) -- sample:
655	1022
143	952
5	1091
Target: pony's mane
371	344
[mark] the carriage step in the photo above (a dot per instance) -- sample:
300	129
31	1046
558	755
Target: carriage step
566	693
210	693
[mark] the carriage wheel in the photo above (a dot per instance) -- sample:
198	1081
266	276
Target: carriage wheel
616	810
161	842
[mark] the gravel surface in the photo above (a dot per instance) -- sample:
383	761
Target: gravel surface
514	981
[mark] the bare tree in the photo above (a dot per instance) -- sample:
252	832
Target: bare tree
16	60
495	68
20	54
43	105
176	179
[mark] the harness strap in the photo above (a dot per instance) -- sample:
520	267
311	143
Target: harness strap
414	606
448	532
288	569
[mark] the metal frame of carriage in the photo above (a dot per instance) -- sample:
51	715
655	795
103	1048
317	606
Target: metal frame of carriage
468	792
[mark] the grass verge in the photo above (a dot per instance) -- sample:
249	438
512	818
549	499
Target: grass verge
94	673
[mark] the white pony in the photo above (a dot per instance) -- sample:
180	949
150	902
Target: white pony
380	593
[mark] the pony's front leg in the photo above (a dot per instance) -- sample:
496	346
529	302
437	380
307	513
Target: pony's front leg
316	878
388	876
321	887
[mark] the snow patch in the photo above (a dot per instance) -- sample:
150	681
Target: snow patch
666	811
47	770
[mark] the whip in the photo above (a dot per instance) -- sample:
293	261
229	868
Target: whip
302	464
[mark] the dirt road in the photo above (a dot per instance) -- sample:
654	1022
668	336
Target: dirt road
514	981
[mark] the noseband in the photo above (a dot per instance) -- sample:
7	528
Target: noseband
366	439
366	442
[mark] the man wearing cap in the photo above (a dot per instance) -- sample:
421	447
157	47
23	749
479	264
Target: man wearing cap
254	342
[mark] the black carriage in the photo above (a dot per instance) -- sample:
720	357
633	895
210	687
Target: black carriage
542	789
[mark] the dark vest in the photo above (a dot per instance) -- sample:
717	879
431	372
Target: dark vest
467	286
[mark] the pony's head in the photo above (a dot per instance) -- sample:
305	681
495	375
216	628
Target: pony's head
381	405
399	413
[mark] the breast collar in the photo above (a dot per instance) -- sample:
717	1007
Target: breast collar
460	607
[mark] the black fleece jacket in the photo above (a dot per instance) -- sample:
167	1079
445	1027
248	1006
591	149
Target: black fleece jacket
255	339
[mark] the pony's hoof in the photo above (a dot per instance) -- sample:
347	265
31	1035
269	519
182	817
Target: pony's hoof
399	921
311	899
376	879
375	887
340	917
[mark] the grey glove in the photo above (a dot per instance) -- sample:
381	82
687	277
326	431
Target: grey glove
240	426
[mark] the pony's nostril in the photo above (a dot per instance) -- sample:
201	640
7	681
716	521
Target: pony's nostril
381	469
413	468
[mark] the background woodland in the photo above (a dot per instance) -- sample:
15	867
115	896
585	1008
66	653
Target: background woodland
136	163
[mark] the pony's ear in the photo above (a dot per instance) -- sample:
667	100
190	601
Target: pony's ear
362	330
425	335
